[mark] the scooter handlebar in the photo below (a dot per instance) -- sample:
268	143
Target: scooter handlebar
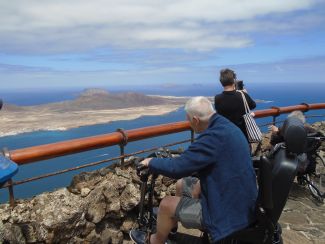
142	170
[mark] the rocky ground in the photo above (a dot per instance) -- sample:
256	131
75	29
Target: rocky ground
101	207
98	207
303	218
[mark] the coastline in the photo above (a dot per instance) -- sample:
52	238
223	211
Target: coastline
14	123
90	108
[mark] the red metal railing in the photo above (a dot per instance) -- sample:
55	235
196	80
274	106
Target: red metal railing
37	153
275	111
121	138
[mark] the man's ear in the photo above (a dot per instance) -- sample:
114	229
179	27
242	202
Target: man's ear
196	121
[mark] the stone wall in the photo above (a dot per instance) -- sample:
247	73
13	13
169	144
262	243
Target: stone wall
97	207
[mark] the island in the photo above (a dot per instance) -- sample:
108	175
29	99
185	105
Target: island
93	106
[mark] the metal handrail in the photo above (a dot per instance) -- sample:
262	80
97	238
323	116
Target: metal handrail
120	137
281	121
93	164
47	151
53	150
275	111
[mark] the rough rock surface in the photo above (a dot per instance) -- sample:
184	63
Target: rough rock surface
101	207
303	218
97	207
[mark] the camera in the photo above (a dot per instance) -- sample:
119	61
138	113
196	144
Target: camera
239	85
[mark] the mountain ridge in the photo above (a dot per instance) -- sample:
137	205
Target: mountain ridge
91	107
96	99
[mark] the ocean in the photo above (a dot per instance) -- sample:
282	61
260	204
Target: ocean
275	95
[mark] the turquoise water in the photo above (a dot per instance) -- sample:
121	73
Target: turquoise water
52	165
280	95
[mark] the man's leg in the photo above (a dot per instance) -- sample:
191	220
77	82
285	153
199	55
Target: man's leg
188	186
166	219
196	190
179	187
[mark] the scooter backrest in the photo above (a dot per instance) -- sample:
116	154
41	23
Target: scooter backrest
276	173
284	170
284	164
295	135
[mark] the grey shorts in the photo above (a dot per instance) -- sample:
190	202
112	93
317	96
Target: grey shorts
189	210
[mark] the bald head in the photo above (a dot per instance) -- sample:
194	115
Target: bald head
199	107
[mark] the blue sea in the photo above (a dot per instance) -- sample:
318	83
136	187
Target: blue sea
275	95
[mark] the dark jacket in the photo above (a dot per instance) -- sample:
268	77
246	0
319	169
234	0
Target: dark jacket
278	136
307	160
230	105
221	157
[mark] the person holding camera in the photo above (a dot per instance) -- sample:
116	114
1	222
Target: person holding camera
221	200
230	102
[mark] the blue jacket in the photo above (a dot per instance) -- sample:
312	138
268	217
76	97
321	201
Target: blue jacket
221	157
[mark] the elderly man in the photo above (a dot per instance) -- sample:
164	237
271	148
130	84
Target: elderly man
222	199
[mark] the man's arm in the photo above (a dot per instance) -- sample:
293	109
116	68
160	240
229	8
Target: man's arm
250	101
276	136
216	101
198	156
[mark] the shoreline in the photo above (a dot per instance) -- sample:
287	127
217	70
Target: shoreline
15	123
92	108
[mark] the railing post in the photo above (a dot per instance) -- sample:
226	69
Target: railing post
192	135
11	194
274	120
122	154
6	153
122	144
276	115
307	107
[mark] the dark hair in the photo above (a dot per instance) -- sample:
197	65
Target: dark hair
1	103
227	77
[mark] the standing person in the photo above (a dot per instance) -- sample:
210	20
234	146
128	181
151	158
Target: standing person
230	103
223	196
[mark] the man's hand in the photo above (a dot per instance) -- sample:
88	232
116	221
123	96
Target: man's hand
146	162
142	169
273	129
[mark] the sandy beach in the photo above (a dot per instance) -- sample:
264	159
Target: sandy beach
94	106
13	123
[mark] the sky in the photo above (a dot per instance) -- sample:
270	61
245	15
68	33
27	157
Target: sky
98	43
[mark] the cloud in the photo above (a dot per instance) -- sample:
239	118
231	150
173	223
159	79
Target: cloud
14	69
309	69
47	27
286	72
